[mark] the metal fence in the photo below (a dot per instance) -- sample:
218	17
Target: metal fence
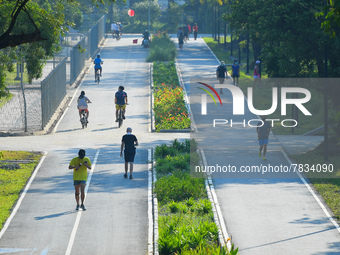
78	59
95	35
90	42
41	99
53	90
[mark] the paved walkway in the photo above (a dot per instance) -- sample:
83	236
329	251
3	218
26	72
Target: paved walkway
264	214
116	220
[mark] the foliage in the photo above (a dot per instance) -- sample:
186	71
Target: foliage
165	74
162	48
142	9
169	107
179	187
170	110
175	14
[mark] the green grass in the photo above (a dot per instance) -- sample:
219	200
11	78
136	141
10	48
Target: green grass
13	181
10	76
4	100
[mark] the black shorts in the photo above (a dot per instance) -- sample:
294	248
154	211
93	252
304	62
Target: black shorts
129	155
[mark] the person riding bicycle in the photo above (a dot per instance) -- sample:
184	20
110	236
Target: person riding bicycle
121	101
115	29
97	65
82	105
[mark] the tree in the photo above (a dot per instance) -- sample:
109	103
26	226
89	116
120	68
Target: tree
142	9
35	26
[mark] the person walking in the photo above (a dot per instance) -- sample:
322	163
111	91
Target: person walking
236	72
221	74
263	130
180	36
195	29
129	143
80	165
257	75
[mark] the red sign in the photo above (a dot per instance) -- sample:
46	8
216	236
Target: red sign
131	13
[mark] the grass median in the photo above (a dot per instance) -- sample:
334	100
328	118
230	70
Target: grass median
13	178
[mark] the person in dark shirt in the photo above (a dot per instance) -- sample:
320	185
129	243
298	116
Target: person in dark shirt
221	74
129	141
263	130
121	101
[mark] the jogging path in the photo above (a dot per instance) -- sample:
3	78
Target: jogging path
274	215
116	219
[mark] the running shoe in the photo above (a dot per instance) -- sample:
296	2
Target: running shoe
123	116
116	120
125	175
260	154
83	207
264	158
77	207
131	177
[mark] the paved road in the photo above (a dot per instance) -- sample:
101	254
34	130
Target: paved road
116	220
264	214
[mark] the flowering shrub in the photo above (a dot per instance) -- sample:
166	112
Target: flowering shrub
170	110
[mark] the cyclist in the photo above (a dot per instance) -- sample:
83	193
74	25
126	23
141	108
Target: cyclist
97	65
121	101
115	30
82	104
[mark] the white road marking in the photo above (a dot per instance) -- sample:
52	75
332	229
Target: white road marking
21	198
150	217
12	250
314	195
76	224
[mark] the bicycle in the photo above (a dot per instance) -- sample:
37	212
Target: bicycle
83	119
97	75
120	117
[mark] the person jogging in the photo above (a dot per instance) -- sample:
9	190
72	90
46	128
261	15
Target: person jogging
263	130
129	143
221	74
195	29
80	165
236	72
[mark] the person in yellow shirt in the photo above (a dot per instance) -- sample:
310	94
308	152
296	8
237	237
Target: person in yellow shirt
80	165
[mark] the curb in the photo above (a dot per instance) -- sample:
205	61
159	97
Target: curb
153	180
223	235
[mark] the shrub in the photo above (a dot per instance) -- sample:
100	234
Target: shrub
179	187
170	110
162	48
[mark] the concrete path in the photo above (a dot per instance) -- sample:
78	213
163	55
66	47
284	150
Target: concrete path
116	219
264	213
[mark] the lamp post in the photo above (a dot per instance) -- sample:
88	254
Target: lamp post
149	18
